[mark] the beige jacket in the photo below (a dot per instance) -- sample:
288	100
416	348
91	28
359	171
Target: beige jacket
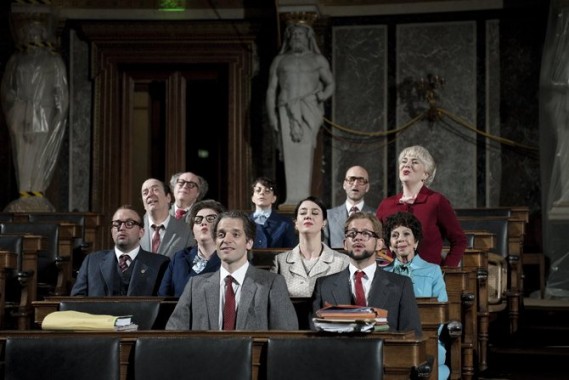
301	284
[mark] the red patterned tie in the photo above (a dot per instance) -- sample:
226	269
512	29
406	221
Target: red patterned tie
123	262
229	305
360	294
180	213
354	209
156	238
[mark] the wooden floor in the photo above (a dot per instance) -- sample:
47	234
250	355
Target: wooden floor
540	350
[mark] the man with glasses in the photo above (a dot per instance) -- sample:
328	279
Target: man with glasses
273	229
126	270
163	233
187	188
363	283
356	185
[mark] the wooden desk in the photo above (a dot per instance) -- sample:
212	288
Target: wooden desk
8	262
462	306
476	261
403	354
51	304
433	314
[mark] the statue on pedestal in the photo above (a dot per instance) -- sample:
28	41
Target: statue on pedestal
35	100
299	83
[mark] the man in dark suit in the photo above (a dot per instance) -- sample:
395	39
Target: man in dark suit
238	296
356	185
163	234
126	270
364	283
273	229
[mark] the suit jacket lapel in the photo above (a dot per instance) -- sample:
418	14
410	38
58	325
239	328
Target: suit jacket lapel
169	235
145	241
341	216
139	273
295	261
322	264
211	296
248	289
378	292
108	266
341	291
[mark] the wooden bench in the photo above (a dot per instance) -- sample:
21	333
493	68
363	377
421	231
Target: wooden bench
404	355
89	223
23	273
499	226
462	306
433	314
54	269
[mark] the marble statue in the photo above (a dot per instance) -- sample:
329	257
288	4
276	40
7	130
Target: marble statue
300	81
35	100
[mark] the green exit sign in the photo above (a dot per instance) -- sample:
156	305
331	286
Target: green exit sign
172	5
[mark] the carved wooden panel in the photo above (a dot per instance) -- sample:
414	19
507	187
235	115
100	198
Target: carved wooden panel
117	45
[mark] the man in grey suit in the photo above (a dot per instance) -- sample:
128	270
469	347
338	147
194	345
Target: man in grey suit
187	188
237	296
356	185
364	283
163	234
125	270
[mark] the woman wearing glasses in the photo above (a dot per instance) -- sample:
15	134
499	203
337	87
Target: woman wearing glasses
311	258
200	258
416	172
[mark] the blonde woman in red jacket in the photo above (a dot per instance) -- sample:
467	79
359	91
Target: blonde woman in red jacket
416	172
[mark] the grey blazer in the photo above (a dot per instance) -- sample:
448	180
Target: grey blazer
334	229
389	291
264	304
176	237
301	284
95	278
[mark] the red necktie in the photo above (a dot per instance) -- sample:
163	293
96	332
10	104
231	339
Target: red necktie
156	238
360	294
354	209
229	305
180	213
123	262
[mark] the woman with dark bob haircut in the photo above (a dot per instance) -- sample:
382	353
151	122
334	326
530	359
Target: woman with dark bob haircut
403	233
311	258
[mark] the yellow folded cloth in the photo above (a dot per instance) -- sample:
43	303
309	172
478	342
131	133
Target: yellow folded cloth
75	320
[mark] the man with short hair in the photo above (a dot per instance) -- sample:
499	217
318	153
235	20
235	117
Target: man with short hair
363	283
356	185
126	270
162	234
238	296
188	188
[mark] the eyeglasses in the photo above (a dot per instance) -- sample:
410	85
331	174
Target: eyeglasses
358	180
190	184
366	234
129	223
209	218
263	190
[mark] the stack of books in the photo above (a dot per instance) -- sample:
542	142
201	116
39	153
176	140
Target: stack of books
351	318
78	321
